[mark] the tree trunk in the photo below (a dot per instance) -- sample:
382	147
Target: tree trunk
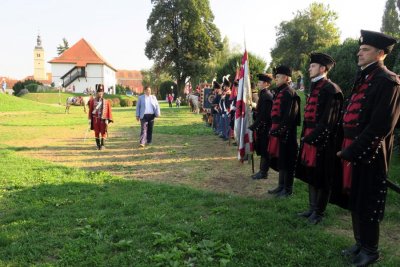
181	87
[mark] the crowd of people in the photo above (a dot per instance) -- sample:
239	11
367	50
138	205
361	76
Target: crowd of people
345	146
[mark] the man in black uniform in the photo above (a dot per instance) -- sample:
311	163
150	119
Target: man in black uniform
214	108
282	146
262	125
316	163
371	113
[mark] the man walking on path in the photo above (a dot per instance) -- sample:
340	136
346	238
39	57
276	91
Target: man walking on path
99	116
147	109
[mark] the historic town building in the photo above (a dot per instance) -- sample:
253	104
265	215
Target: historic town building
81	67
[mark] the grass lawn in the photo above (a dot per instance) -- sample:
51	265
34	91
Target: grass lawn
55	97
184	201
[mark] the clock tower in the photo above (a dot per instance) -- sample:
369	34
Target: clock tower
38	61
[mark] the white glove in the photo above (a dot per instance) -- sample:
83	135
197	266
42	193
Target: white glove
90	121
106	122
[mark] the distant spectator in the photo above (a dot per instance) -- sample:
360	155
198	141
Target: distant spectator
178	102
3	85
170	98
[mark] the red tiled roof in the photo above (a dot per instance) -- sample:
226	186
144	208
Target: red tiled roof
131	79
81	54
10	81
129	74
49	76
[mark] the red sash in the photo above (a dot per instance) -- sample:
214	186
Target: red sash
273	145
309	152
347	168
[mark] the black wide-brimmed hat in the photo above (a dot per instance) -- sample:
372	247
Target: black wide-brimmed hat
264	77
322	59
283	70
378	40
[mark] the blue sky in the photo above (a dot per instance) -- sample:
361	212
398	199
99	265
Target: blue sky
117	29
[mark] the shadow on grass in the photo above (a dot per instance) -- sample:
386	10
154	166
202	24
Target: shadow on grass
84	224
56	215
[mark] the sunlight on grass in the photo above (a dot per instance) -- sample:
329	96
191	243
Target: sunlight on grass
63	203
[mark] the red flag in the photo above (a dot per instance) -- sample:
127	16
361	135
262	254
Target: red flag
243	135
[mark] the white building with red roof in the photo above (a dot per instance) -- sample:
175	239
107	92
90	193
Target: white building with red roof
81	67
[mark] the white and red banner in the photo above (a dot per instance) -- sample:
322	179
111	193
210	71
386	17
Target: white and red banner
244	136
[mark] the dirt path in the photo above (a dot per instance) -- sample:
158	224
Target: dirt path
204	162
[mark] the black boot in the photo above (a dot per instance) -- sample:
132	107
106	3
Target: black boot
288	184
259	175
321	203
369	234
365	258
102	144
354	249
264	167
312	200
278	189
98	143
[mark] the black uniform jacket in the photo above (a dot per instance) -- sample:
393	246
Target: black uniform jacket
262	123
372	145
323	134
288	120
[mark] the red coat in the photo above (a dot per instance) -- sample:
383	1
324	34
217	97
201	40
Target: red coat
106	113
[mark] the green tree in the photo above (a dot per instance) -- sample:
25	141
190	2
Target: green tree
29	84
256	65
390	19
310	30
183	37
346	67
391	26
153	78
62	47
168	87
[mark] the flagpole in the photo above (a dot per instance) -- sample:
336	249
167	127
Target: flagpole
248	63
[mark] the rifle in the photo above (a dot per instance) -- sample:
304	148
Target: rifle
393	186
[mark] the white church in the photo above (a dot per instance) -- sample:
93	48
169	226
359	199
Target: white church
81	67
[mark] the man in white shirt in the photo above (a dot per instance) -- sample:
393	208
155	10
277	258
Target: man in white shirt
147	109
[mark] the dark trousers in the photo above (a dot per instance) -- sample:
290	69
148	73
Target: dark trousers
146	130
318	199
264	164
366	233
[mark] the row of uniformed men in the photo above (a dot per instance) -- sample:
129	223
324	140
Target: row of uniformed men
345	145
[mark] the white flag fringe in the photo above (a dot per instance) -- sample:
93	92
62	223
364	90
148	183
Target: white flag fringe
243	119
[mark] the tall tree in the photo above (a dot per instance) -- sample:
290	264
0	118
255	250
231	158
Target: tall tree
390	19
310	30
62	47
183	37
154	78
256	65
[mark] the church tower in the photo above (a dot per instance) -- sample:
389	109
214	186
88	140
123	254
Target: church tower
38	61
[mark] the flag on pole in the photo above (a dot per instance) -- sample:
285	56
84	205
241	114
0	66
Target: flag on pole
244	136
